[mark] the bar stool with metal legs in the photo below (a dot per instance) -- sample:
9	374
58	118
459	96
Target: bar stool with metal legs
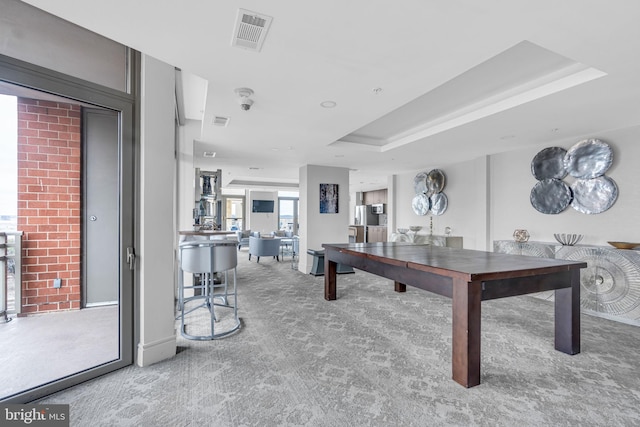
211	261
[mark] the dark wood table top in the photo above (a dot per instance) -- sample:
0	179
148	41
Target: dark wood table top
470	264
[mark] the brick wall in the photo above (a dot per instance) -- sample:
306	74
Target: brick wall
49	203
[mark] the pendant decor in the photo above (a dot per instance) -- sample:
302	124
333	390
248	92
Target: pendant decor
591	192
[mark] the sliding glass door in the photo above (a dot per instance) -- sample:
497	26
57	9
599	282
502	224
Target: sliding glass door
72	308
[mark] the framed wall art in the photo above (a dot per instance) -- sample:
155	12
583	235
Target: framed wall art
329	198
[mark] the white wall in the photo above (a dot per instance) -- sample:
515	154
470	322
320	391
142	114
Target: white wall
512	181
263	222
317	228
34	36
489	198
466	191
157	230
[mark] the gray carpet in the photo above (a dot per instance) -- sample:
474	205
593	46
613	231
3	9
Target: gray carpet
371	358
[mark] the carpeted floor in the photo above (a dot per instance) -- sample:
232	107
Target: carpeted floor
373	357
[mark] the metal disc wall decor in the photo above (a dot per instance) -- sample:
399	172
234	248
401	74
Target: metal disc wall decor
429	196
439	203
549	163
420	183
587	159
435	182
593	196
610	283
421	204
551	196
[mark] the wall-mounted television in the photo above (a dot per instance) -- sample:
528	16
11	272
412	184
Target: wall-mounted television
262	206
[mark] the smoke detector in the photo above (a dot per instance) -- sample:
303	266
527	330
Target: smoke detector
244	94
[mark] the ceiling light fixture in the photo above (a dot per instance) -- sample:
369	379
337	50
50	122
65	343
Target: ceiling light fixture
244	94
328	104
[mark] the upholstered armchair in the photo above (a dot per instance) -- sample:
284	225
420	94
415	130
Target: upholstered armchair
264	247
243	237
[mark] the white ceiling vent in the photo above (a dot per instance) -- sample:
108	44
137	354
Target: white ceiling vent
250	30
221	121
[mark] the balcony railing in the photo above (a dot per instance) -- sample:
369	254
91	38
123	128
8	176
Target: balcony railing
10	273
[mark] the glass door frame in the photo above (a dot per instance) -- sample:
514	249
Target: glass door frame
296	209
224	210
31	76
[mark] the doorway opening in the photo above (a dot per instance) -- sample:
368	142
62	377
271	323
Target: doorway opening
288	214
233	213
52	339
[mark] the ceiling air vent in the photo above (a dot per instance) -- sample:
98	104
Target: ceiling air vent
250	30
221	121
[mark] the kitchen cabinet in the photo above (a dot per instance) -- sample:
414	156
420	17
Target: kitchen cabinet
376	233
357	231
375	197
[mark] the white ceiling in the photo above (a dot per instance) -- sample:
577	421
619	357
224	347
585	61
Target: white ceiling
457	79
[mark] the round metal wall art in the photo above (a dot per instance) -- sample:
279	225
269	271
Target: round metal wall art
429	196
594	196
588	159
551	196
421	204
549	163
439	203
435	182
420	183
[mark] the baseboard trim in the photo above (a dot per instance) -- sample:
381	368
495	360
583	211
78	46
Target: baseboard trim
156	351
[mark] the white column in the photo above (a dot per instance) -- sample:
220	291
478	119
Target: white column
157	337
317	228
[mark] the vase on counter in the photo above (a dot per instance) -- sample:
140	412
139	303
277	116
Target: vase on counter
521	236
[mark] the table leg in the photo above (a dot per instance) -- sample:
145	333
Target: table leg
466	332
567	316
400	287
330	269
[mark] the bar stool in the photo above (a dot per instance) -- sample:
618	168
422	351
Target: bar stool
211	260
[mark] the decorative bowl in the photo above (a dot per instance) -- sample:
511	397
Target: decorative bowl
403	230
415	228
568	239
624	245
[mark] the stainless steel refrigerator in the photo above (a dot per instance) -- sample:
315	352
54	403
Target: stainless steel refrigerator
365	217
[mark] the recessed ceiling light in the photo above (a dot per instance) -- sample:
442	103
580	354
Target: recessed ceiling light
209	154
328	104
